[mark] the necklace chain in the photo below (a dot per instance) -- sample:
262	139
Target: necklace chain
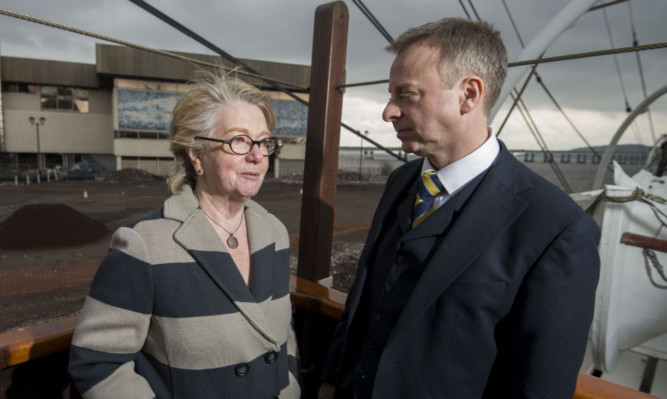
232	242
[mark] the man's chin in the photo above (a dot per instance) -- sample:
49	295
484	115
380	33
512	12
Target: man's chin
410	148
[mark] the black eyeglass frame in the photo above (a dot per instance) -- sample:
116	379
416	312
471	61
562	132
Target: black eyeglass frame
270	149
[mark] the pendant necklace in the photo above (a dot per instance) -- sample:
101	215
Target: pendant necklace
232	242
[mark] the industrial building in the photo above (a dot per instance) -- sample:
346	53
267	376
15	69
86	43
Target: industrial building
115	113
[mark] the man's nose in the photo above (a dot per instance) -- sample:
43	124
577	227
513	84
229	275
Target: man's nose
391	112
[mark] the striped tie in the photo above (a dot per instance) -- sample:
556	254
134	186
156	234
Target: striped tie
430	187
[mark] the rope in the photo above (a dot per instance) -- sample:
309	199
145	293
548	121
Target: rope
649	199
516	98
530	122
635	42
562	111
474	10
544	87
362	7
465	10
611	3
588	54
516	30
136	46
651	259
622	50
618	67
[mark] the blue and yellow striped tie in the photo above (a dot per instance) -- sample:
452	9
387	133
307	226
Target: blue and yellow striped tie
430	187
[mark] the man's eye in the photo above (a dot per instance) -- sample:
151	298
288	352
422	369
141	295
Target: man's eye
409	96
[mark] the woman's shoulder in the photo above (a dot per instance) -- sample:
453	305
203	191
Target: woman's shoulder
267	217
262	212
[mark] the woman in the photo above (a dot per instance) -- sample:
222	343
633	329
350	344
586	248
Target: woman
192	301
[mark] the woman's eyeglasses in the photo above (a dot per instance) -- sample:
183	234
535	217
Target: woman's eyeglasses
243	144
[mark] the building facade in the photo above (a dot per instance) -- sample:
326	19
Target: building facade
115	114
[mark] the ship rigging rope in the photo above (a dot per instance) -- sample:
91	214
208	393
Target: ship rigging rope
635	42
140	47
177	56
654	46
519	104
362	7
544	87
650	257
628	108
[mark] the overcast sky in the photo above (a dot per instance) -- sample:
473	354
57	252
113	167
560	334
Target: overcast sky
591	91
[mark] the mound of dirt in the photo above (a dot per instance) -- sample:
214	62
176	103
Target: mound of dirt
129	175
48	225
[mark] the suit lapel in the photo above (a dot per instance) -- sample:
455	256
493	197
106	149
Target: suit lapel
197	236
491	209
399	196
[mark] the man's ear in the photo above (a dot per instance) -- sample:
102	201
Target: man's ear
473	90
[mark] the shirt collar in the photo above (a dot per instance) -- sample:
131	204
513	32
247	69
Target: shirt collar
457	174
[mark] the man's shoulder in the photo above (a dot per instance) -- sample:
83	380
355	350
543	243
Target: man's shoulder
407	169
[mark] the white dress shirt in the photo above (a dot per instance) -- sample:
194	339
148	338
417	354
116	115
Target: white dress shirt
457	174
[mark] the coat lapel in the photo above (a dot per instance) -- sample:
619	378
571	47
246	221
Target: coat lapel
197	236
491	209
399	196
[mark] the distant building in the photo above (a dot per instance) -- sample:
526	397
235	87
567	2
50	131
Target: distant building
116	111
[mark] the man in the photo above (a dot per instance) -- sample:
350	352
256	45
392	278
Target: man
478	279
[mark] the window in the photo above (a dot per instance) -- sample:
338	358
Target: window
64	99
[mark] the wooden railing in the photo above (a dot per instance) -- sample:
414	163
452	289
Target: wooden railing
22	346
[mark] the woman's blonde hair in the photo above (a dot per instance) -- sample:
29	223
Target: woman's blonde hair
194	115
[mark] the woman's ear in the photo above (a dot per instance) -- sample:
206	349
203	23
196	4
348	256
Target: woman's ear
194	159
473	92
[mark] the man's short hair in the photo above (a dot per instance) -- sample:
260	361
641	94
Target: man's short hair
466	47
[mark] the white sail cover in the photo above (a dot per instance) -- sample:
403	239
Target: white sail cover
631	300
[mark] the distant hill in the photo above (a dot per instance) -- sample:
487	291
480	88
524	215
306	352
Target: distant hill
623	148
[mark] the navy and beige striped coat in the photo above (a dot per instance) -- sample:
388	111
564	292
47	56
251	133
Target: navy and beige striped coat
169	315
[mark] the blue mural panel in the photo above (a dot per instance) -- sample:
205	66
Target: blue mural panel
151	110
291	118
145	109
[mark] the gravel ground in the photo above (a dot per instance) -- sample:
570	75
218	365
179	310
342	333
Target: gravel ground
128	195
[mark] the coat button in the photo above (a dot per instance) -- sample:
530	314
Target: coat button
400	259
242	369
270	357
388	287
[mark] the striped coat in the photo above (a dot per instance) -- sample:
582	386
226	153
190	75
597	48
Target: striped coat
169	315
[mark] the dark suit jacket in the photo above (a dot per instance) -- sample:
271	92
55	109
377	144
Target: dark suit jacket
503	307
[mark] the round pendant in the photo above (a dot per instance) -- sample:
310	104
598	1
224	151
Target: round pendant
232	242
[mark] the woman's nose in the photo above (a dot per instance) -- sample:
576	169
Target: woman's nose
255	154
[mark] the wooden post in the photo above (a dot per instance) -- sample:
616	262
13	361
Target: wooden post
322	140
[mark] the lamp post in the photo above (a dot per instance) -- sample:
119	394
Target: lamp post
37	124
361	153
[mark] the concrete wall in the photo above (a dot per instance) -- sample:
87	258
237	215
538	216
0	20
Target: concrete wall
290	161
63	132
142	148
157	166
